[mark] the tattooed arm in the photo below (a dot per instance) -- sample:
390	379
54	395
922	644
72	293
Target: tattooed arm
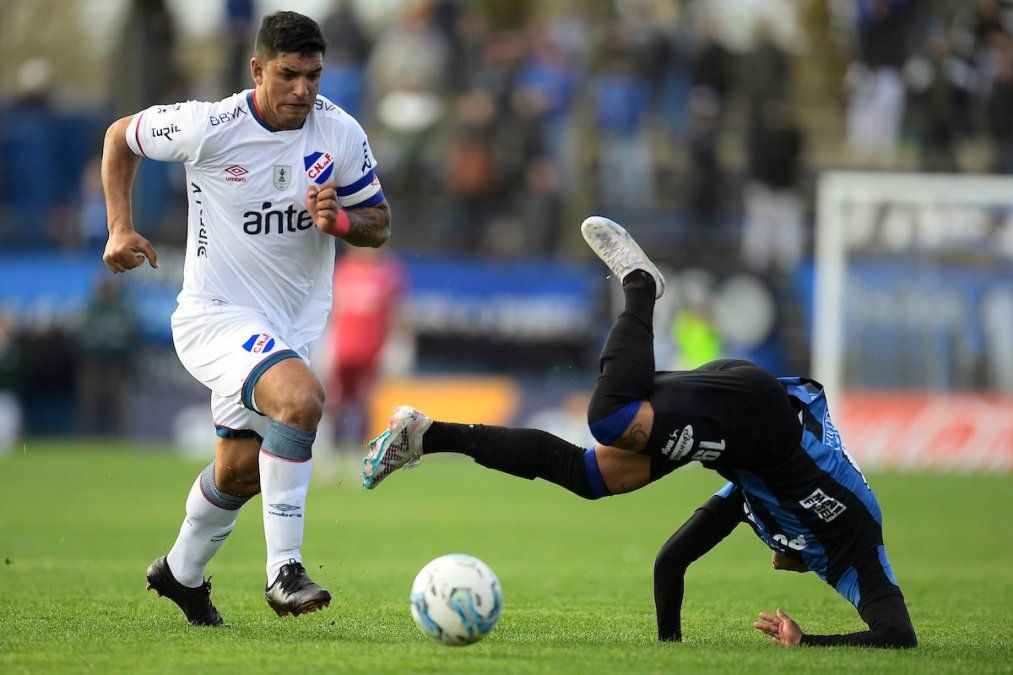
369	226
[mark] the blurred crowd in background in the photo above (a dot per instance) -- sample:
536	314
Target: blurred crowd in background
498	125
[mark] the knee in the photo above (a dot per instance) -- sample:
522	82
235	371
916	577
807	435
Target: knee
302	407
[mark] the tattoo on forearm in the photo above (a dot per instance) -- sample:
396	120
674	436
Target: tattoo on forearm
369	226
634	439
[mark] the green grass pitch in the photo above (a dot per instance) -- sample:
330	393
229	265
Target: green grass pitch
80	522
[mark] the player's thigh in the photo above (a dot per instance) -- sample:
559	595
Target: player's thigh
622	470
237	469
228	348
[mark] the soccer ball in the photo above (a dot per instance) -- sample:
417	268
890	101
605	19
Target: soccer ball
456	599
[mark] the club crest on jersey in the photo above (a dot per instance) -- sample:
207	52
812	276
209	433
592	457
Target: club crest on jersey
319	166
259	343
282	176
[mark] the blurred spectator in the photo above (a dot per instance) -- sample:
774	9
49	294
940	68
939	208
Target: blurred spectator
876	104
472	173
237	35
35	81
773	231
343	31
713	65
1000	106
406	78
368	287
106	342
706	175
939	83
344	78
10	382
696	338
145	68
766	72
550	77
29	143
625	164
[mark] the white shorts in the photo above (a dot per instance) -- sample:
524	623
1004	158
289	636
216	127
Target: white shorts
227	349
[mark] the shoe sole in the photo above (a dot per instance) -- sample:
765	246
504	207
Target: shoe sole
159	595
305	608
150	587
594	223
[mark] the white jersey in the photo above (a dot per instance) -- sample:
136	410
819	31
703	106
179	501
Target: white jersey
250	240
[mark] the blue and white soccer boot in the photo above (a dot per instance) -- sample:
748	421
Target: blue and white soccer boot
616	248
399	446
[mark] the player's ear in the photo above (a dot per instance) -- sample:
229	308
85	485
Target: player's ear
257	70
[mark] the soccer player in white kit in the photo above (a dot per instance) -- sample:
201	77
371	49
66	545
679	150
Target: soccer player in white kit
274	175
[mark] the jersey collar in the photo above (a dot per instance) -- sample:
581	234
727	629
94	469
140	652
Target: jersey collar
251	102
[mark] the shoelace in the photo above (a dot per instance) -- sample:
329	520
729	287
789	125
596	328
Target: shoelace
295	578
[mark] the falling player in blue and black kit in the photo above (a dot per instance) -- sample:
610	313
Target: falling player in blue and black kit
772	439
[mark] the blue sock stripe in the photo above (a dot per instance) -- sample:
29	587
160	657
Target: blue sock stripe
230	433
213	493
594	477
258	371
615	423
288	442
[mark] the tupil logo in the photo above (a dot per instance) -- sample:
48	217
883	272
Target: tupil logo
319	166
259	343
166	131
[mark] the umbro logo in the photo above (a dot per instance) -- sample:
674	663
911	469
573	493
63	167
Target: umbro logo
236	174
285	511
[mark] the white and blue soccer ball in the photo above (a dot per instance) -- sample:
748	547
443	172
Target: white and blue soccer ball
456	599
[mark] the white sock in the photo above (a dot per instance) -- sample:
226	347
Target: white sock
203	532
285	468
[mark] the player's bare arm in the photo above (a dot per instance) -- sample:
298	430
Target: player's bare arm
126	249
368	226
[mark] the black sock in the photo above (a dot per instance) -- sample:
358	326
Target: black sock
639	289
627	360
526	453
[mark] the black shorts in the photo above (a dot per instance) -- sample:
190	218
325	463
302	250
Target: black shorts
727	413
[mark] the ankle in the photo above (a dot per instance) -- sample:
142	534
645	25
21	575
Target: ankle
639	280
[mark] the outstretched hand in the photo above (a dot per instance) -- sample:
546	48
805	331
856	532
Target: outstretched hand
126	250
322	203
780	627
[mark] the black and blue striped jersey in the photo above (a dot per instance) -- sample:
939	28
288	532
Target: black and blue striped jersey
774	441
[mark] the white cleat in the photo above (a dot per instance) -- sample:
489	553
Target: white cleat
399	446
616	248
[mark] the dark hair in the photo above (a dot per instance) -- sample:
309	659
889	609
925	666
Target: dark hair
288	32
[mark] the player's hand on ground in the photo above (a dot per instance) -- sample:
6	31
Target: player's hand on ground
322	203
125	250
780	627
783	562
